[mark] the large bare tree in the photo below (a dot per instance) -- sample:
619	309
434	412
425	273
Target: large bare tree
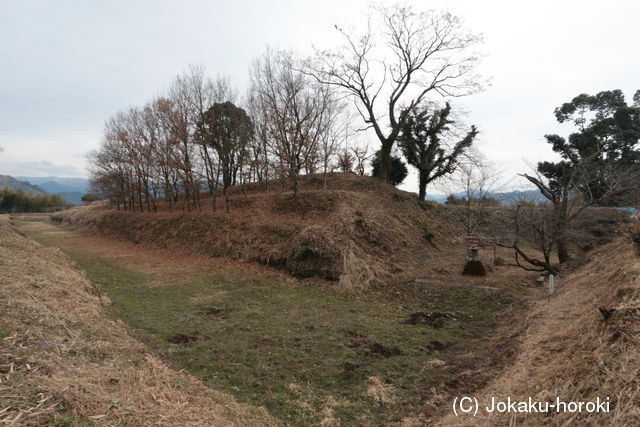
401	58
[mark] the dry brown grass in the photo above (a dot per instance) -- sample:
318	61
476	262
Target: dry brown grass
571	351
634	234
63	361
357	232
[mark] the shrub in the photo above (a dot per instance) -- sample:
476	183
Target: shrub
19	201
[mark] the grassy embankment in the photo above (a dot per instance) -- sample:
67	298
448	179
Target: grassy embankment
306	353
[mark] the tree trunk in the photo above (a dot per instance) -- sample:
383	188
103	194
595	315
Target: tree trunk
563	248
295	175
561	241
384	172
422	186
296	186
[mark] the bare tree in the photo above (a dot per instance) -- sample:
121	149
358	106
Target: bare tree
258	146
535	228
337	127
476	178
391	68
566	185
361	155
159	115
298	111
193	94
345	160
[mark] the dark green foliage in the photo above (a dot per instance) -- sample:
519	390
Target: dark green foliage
19	201
227	129
424	144
398	169
603	149
90	197
600	162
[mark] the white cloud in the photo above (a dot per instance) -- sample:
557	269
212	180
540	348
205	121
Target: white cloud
41	168
70	65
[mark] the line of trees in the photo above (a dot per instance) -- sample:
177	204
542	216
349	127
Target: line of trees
199	137
295	117
20	201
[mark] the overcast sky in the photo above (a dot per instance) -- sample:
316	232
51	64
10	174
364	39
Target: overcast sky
66	66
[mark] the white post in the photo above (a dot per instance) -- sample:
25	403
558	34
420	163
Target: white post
552	284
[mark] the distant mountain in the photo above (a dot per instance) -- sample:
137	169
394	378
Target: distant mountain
54	184
70	189
72	197
52	187
512	197
440	198
506	198
13	184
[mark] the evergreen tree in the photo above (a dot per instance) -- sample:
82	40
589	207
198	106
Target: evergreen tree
398	169
424	144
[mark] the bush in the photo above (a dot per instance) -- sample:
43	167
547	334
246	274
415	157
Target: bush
398	169
90	197
19	201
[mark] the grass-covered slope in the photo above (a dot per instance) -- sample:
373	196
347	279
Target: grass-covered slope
310	355
64	362
583	345
357	231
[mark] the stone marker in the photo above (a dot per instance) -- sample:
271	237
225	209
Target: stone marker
474	266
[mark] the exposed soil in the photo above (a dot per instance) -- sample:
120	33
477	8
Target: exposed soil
182	339
436	346
371	347
434	319
217	312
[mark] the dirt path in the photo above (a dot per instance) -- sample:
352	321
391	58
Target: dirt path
302	350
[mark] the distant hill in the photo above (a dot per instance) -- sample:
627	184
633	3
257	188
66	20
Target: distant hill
54	184
512	197
506	198
71	189
72	197
13	184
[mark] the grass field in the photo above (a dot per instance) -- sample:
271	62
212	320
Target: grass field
304	352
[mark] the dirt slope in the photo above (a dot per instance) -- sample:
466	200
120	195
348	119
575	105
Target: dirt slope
63	361
571	351
358	231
